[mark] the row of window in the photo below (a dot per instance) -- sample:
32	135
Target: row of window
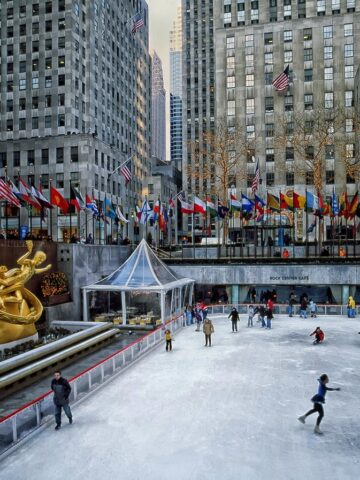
49	101
44	156
34	9
10	29
23	46
50	62
35	81
48	122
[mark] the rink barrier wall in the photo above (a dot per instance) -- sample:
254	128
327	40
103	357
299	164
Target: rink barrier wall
279	309
39	413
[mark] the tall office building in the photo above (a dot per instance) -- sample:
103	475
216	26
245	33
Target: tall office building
75	98
198	87
158	109
320	42
176	91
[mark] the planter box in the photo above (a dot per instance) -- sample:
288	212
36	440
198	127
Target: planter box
57	299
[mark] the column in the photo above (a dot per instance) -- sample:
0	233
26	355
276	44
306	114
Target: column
345	294
234	294
85	306
123	307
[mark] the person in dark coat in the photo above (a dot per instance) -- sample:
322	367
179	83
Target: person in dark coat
61	388
234	314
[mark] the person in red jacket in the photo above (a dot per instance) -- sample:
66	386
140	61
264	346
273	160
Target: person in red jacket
319	335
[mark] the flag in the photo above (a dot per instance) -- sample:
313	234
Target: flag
210	207
312	202
91	205
108	209
199	206
281	82
181	196
186	207
298	200
125	171
156	210
246	204
145	212
222	209
76	198
286	202
58	200
311	227
344	206
259	208
334	204
138	23
40	198
171	202
7	194
354	205
137	214
234	203
120	215
273	202
256	179
27	196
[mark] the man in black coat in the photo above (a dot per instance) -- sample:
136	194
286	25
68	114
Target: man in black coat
61	388
234	314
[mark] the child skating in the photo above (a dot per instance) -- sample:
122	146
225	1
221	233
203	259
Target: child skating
251	314
168	339
319	400
319	335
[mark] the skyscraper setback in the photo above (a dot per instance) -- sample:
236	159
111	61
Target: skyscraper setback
158	109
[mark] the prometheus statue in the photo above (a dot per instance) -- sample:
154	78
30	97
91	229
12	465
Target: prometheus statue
20	308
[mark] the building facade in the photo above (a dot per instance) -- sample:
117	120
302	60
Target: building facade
176	91
158	109
75	101
320	42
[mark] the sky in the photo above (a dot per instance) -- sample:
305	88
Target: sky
162	13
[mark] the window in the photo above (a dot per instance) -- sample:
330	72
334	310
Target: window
35	103
47	121
349	98
249	80
289	128
48	82
16	158
308	101
335	6
227	19
59	180
230	62
330	177
350	150
269	104
328	73
61	42
269	129
48	63
349	125
61	5
22	104
350	5
48	101
329	99
35	65
249	40
268	78
270	179
30	157
10	86
22	48
74	155
308	75
60	155
268	38
10	32
249	60
349	50
289	103
61	62
10	50
44	181
307	34
268	58
61	99
22	67
328	31
289	179
35	83
250	106
22	29
309	178
308	54
230	42
35	46
231	107
9	125
35	28
44	156
61	120
48	7
348	29
308	127
270	157
48	44
328	53
22	84
35	123
22	11
9	105
288	56
35	9
48	26
61	24
250	131
22	123
288	35
329	152
321	7
230	82
349	71
61	80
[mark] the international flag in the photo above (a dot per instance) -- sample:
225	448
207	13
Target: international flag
58	200
311	227
181	196
210	207
281	82
77	199
138	22
171	202
40	198
256	179
7	194
145	212
108	209
353	207
27	196
259	208
273	202
120	215
286	202
246	204
156	210
312	202
91	205
199	206
334	204
234	203
137	214
299	201
125	171
344	206
222	209
186	207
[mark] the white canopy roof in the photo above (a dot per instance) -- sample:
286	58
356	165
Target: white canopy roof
143	270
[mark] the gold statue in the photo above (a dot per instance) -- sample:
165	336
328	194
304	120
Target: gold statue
20	308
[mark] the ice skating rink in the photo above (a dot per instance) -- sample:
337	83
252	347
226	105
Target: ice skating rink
228	412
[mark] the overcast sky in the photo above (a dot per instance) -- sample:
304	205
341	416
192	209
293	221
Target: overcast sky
162	13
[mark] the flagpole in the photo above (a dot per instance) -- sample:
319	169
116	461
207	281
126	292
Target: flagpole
93	216
307	224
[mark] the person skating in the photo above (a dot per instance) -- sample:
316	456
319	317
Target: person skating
319	335
269	317
234	314
351	307
313	308
208	329
251	316
262	315
61	388
292	301
319	400
168	339
303	308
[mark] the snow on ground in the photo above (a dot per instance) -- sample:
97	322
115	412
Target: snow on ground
228	412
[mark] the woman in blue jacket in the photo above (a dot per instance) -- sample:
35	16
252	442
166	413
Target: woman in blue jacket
319	400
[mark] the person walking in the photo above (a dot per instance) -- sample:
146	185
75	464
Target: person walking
61	388
318	401
303	308
251	314
199	319
208	329
168	339
234	314
319	335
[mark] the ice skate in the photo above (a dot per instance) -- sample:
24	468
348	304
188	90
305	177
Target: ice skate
302	419
317	430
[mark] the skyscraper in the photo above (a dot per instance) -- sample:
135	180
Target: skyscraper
158	109
75	98
176	91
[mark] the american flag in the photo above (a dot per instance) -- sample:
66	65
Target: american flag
126	171
282	81
181	196
7	194
138	22
256	179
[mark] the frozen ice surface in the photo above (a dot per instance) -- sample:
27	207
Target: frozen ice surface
228	412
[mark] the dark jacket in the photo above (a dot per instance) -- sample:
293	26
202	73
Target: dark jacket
234	314
320	396
61	389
